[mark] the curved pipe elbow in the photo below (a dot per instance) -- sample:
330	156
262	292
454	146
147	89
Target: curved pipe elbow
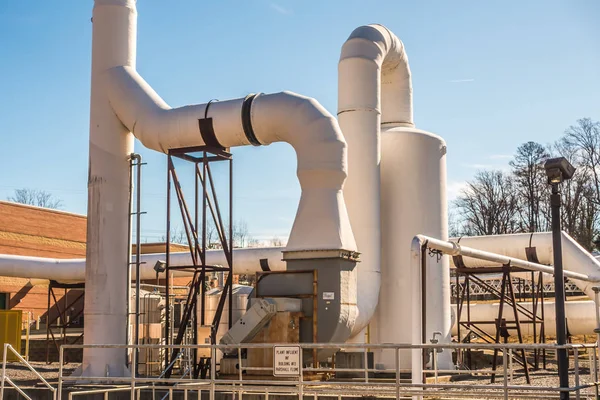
322	221
374	54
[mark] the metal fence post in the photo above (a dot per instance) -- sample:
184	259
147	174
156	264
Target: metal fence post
301	375
3	370
213	366
435	365
366	364
60	371
576	356
397	372
510	364
133	368
505	366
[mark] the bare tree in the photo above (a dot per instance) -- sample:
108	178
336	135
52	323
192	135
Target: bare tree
580	209
34	197
179	236
489	204
530	182
240	234
584	138
276	242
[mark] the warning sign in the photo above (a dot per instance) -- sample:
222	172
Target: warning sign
286	361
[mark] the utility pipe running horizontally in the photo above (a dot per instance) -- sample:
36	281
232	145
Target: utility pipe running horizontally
124	105
247	261
580	266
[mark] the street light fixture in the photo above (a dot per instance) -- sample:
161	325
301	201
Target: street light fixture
559	170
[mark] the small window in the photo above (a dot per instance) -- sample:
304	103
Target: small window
3	301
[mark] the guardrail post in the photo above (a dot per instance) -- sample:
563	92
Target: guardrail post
133	368
301	375
576	355
3	370
595	358
505	366
435	365
60	371
366	364
213	366
397	350
510	365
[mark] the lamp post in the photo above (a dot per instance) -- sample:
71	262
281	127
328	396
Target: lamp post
559	170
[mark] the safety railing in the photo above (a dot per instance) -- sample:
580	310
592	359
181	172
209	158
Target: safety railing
6	379
300	373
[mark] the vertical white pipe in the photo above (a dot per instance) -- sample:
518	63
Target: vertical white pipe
113	44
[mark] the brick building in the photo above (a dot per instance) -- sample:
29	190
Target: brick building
41	232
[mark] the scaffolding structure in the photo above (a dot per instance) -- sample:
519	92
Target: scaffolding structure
503	328
195	227
58	322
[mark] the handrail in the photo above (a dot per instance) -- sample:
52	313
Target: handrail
302	387
7	346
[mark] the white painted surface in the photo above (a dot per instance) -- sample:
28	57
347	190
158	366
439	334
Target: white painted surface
413	200
374	77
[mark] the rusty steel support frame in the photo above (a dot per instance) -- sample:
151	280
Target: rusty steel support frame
196	229
506	295
63	324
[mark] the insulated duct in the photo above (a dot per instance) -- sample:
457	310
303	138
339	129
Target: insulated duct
575	258
122	103
396	188
374	88
247	261
579	313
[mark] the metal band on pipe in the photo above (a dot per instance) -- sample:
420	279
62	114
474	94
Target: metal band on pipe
247	119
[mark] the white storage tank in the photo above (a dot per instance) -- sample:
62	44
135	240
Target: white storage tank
413	201
240	301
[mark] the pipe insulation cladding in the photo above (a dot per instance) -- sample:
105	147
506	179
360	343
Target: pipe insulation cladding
575	258
280	117
122	103
374	87
396	189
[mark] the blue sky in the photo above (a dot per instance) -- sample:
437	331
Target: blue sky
487	76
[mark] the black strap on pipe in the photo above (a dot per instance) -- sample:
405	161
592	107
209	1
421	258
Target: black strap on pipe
208	133
247	119
264	264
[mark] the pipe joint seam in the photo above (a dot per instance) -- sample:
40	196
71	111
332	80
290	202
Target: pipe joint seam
247	119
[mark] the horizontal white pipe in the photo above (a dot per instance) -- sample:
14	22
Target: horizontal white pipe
246	261
492	259
579	264
580	317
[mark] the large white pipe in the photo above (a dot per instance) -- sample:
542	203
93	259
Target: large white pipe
580	317
106	298
122	102
247	261
579	264
322	220
373	77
